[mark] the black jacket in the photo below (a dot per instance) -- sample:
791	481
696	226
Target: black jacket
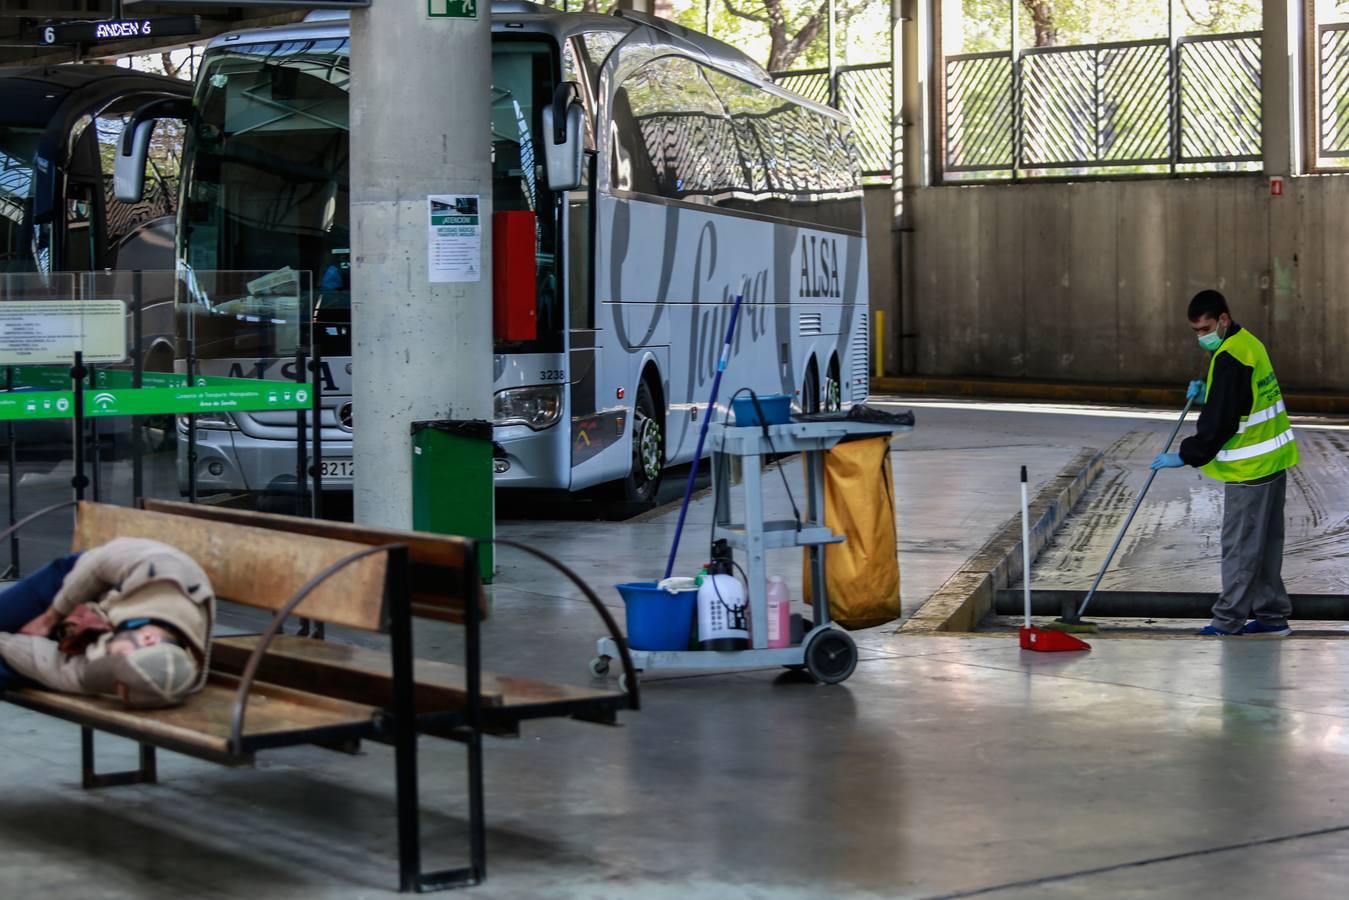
1229	398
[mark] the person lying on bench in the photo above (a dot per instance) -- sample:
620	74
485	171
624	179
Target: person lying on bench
132	618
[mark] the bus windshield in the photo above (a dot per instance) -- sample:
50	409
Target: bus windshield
266	168
266	171
18	147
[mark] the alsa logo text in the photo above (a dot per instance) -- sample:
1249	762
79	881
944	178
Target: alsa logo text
819	267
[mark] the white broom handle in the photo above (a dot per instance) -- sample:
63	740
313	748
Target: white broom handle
1025	544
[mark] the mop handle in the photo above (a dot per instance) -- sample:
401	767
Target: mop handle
1132	512
702	434
1025	544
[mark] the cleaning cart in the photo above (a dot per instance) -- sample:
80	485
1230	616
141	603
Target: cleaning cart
826	651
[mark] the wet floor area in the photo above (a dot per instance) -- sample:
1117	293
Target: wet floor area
1174	539
945	767
1173	544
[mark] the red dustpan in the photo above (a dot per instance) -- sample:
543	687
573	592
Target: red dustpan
1046	641
1039	639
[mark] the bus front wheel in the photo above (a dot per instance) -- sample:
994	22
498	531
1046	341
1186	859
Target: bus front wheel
648	448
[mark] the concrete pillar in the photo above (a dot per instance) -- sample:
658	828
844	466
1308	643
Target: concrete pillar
913	67
1282	135
420	125
1279	78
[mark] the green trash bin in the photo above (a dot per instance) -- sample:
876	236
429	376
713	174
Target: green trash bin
452	482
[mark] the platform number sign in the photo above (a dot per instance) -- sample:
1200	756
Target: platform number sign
452	9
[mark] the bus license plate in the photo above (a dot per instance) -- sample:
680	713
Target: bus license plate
337	468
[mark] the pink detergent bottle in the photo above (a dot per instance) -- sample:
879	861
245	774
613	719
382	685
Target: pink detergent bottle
779	613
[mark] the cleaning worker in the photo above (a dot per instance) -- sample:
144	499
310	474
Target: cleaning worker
1244	440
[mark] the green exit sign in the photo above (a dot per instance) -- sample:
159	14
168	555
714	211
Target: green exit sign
452	9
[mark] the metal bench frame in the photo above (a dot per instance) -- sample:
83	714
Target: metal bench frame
400	726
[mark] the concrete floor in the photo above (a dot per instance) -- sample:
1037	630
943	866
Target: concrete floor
945	767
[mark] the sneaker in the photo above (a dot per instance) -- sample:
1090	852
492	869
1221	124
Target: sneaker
1255	626
1210	631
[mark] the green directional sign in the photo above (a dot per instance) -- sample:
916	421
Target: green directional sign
182	400
235	395
42	376
37	405
122	378
59	377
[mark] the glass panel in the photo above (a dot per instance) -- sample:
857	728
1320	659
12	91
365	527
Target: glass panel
18	146
249	435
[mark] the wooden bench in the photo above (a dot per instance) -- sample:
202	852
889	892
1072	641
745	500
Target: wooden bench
277	690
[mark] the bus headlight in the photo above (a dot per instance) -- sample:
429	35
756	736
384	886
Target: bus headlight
537	407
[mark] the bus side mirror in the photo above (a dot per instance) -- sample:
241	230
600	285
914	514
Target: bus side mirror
128	172
564	137
129	168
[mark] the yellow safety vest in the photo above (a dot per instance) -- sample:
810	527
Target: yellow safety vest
1263	444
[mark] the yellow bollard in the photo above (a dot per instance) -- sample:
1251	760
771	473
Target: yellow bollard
878	335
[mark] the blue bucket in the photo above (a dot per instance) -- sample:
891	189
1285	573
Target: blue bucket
777	409
657	619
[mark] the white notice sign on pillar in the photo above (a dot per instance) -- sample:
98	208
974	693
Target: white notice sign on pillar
454	238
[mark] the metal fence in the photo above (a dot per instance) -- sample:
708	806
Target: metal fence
864	93
1333	81
1111	106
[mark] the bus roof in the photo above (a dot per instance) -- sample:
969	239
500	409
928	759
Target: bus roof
33	96
511	14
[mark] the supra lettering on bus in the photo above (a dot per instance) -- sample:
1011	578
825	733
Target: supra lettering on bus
819	267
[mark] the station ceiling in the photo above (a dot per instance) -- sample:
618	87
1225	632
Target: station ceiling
22	23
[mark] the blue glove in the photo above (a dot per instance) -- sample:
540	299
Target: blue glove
1167	461
1195	392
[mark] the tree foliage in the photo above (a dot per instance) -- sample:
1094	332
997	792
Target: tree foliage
973	26
792	27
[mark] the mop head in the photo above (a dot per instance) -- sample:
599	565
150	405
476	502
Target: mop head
1071	627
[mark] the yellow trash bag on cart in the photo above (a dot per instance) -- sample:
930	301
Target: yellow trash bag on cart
862	573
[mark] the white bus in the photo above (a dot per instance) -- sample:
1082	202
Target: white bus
697	174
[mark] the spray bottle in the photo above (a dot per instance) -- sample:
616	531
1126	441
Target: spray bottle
723	613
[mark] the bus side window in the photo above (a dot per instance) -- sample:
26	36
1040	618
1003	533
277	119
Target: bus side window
800	161
681	133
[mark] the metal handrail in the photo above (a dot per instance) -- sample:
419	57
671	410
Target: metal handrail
853	67
1104	45
621	642
250	673
1217	38
983	54
34	516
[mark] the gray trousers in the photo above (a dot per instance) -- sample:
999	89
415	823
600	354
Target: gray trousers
1252	567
